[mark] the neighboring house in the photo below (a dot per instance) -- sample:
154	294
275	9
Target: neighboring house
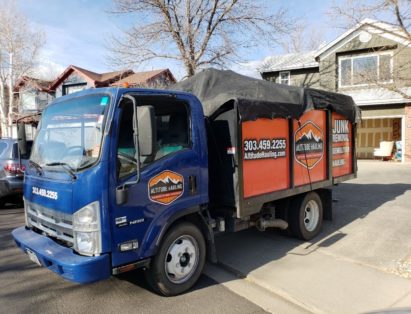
152	79
74	79
368	62
31	95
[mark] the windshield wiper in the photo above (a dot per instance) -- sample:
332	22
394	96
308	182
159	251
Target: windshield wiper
85	163
38	168
65	166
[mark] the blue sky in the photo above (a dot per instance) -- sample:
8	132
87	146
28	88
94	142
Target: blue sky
78	30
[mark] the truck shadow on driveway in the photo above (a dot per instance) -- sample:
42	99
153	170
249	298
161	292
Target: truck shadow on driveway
137	278
249	250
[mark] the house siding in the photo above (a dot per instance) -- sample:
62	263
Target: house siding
402	66
302	77
72	79
378	111
328	74
31	99
401	61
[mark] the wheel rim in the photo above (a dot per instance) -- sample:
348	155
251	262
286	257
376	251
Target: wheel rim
181	259
311	215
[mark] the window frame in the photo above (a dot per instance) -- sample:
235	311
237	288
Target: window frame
364	55
66	87
280	80
143	165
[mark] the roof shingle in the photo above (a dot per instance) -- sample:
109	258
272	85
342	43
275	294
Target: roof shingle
290	61
141	78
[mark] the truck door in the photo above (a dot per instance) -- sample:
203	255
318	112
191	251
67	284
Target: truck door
166	177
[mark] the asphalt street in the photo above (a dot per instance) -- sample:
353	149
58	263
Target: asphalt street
27	288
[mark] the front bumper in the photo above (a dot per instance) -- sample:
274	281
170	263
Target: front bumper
63	260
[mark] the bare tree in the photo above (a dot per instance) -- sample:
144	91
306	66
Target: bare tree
396	14
302	39
19	47
197	33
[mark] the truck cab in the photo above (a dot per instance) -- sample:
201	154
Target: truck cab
111	173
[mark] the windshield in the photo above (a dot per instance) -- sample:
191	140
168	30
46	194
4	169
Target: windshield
71	133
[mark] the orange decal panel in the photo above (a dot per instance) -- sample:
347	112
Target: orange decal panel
265	156
166	187
310	156
341	145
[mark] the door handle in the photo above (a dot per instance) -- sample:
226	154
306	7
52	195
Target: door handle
192	184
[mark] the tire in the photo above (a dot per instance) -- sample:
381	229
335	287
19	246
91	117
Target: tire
306	216
179	261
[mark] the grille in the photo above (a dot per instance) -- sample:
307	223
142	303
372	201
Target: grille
53	223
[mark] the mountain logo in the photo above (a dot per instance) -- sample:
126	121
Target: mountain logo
165	187
308	145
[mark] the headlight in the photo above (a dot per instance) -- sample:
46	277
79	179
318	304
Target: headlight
86	229
87	242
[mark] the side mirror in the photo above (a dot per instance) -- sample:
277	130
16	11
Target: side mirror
146	130
21	138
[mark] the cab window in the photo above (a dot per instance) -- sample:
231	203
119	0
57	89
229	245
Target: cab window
172	133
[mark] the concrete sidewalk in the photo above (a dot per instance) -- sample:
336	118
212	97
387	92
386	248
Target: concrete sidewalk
311	278
359	263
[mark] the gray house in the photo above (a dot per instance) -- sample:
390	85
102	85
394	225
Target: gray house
370	62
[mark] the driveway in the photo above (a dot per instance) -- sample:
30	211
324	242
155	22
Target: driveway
360	262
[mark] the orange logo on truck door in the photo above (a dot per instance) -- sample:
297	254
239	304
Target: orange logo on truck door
166	187
308	145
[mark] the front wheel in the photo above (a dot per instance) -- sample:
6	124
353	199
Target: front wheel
179	261
306	216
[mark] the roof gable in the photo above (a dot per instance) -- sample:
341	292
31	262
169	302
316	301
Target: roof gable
41	85
369	26
95	79
141	78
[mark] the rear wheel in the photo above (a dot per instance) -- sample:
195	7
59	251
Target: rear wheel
179	261
306	215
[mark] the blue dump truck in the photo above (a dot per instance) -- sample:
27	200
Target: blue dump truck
123	178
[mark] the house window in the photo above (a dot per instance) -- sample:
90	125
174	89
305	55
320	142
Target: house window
365	69
285	77
28	101
69	89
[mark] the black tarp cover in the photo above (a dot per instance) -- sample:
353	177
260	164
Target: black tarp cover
261	99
